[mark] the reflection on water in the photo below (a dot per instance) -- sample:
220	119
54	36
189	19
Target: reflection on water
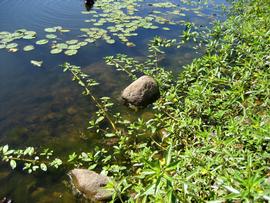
89	4
42	107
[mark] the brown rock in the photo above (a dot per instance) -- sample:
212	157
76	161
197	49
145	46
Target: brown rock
141	92
91	184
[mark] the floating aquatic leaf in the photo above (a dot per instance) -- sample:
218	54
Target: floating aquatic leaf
164	5
13	50
30	33
51	36
12	45
61	46
50	29
36	63
130	44
71	52
76	46
74	41
84	29
56	51
42	41
64	30
28	48
110	41
29	37
166	28
90	40
85	12
21	30
153	27
83	44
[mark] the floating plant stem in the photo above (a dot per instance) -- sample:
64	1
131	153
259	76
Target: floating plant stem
80	77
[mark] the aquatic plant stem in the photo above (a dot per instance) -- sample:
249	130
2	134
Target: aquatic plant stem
95	100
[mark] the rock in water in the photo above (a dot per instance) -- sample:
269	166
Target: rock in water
141	92
91	184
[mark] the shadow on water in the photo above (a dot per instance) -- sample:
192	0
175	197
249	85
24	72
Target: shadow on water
89	4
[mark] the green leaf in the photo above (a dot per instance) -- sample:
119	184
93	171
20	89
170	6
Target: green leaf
73	41
101	118
51	36
71	52
42	41
110	41
231	189
43	167
61	46
5	149
28	48
172	166
12	45
110	135
36	63
169	155
56	51
157	184
52	29
13	164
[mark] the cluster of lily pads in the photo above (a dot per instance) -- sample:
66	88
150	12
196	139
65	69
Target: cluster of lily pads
7	39
110	20
120	19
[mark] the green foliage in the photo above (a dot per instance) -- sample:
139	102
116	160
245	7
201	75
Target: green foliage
209	137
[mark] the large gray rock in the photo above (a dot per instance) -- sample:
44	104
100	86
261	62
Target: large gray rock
141	92
91	184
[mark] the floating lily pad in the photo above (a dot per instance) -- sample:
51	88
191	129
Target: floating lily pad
166	28
74	41
61	46
50	29
83	44
64	30
76	46
33	33
12	45
29	37
130	44
71	52
90	40
153	27
42	41
51	36
36	63
28	48
110	41
56	51
85	12
13	49
21	30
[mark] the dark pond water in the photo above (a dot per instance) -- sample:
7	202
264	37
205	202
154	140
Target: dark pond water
42	107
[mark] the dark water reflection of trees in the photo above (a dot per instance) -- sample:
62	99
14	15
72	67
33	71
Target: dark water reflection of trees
89	4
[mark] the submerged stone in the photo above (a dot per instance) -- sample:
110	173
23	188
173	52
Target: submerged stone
141	92
91	184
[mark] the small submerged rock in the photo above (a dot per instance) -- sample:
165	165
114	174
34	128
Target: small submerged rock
91	184
141	92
